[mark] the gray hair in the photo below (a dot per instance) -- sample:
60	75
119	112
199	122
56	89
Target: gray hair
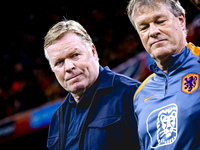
173	5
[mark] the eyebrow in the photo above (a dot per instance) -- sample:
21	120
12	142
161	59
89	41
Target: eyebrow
68	53
144	22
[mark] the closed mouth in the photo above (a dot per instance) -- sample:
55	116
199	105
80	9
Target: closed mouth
156	42
73	77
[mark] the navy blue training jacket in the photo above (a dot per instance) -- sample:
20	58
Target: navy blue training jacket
110	122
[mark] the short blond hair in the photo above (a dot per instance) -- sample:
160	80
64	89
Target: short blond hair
63	27
173	5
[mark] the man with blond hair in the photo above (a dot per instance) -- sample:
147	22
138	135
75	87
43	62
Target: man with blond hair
97	114
167	104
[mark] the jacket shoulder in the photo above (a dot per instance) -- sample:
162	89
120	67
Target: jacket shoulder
194	49
110	78
143	84
125	80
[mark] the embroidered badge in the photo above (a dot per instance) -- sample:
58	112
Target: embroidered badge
162	125
190	83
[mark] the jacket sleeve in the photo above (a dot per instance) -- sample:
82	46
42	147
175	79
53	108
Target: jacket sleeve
133	121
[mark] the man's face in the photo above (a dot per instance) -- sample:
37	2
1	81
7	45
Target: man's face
75	66
160	31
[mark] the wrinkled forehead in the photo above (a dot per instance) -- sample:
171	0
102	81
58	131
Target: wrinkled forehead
148	8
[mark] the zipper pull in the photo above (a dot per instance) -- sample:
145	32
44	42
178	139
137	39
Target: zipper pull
166	85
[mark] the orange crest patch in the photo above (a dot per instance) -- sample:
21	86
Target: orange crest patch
190	83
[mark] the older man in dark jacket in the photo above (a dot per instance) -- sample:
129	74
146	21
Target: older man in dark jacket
97	114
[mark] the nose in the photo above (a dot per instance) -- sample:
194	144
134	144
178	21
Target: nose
69	66
153	31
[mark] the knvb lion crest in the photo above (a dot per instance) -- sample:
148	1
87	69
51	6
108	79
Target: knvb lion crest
162	126
190	83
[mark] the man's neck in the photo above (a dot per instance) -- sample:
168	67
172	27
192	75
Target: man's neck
162	67
163	63
76	97
81	92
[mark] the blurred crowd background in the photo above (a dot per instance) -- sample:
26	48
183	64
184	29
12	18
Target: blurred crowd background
26	80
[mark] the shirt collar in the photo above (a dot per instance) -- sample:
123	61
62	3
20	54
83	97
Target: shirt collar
86	99
92	89
175	62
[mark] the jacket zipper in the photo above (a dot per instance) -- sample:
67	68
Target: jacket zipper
166	85
86	119
61	129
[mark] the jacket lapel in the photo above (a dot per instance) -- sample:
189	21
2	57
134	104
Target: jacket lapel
64	114
105	85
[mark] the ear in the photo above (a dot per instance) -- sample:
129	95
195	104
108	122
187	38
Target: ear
182	21
94	52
